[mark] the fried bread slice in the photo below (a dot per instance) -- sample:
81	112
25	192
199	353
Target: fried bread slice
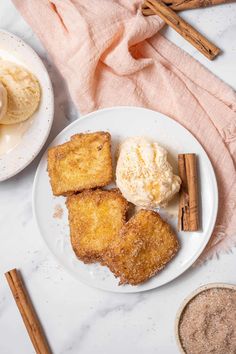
95	220
84	162
146	245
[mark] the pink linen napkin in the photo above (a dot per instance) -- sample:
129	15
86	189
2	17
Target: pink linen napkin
110	55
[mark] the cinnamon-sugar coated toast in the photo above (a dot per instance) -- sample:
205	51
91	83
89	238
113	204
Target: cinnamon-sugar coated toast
95	220
84	162
146	245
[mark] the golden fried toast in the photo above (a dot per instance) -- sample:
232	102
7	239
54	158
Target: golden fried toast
146	245
95	219
84	162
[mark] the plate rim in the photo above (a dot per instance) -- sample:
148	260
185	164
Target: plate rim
50	112
188	264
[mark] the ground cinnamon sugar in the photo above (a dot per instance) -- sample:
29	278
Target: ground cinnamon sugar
58	212
208	323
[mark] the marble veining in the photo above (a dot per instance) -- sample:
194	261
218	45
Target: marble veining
77	318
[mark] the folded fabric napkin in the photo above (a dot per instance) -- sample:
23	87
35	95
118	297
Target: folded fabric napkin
109	55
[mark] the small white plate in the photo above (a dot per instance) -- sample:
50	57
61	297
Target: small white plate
124	122
15	49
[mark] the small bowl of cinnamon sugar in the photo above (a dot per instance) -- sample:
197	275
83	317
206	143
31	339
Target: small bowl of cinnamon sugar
206	321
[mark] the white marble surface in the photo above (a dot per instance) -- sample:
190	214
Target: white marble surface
76	318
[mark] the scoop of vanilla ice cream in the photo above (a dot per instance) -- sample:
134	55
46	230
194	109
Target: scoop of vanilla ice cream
3	101
23	92
143	174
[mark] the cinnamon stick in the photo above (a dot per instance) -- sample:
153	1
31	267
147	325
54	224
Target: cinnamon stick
183	28
188	205
178	5
27	312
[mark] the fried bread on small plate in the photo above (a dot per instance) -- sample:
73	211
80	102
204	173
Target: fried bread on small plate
146	245
84	162
95	220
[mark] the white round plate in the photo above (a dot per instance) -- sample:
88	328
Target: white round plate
124	122
15	49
